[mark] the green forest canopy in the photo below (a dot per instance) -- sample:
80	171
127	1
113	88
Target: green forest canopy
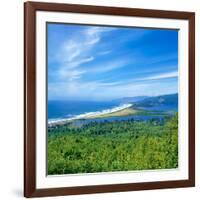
113	146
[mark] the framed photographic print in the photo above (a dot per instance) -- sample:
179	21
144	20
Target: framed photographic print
109	99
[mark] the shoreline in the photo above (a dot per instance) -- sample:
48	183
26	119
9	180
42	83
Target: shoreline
120	111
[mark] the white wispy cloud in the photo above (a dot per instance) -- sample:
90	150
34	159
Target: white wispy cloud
95	30
91	90
77	51
81	45
104	52
79	62
70	74
161	76
109	66
98	84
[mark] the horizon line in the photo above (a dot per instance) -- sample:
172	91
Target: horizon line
114	98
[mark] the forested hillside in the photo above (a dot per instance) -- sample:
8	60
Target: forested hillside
113	146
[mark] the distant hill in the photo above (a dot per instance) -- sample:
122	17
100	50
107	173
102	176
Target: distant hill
164	102
130	99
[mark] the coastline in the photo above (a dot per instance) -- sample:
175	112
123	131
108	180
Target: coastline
123	110
120	113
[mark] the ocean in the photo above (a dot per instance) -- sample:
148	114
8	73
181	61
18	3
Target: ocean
70	109
59	111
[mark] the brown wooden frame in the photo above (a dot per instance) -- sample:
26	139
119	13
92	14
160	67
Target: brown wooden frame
30	9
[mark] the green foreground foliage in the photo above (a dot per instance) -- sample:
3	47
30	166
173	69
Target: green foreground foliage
113	146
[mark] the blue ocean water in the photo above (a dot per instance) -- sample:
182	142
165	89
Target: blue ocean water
68	109
61	110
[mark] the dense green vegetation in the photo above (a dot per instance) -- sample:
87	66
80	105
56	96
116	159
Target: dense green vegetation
113	146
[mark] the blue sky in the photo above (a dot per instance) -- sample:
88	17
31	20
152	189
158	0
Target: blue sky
104	63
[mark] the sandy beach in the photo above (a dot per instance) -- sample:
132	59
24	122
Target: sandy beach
124	110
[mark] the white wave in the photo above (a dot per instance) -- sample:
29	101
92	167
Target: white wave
90	114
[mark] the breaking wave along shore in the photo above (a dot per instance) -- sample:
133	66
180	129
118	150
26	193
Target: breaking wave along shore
89	115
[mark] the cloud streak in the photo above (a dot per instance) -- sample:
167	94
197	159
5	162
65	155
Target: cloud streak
77	51
173	74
